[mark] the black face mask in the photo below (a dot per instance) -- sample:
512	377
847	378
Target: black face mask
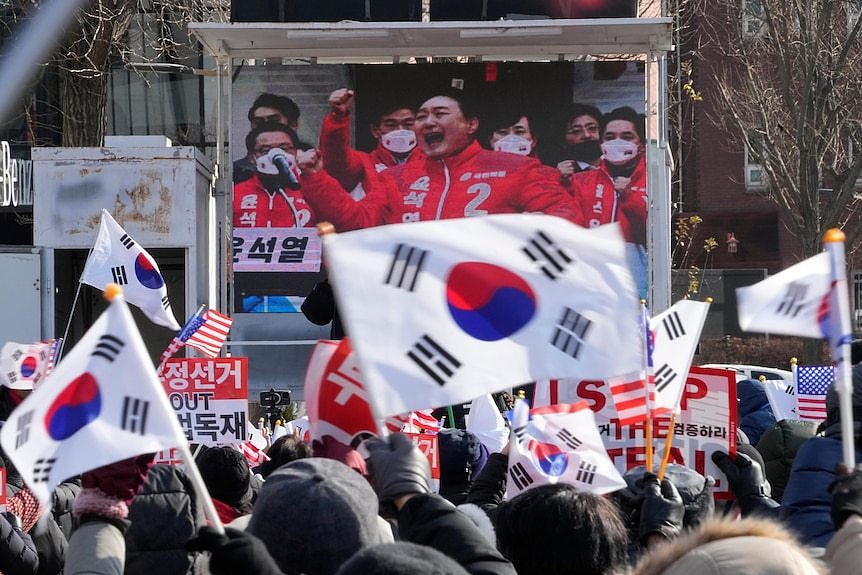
274	182
587	151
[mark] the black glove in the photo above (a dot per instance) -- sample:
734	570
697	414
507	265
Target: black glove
846	494
397	467
662	510
747	483
234	551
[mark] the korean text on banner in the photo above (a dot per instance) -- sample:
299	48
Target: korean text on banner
210	397
428	444
707	422
276	250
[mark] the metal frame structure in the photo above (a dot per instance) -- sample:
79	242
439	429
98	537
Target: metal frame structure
513	40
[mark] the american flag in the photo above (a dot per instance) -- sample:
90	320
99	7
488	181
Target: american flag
812	383
212	333
415	422
630	399
206	330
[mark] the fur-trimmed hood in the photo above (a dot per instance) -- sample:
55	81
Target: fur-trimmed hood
722	546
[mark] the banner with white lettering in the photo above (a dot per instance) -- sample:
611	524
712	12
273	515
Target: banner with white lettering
707	422
428	444
210	397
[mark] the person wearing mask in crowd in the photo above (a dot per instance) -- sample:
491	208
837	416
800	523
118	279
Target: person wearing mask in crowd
267	108
581	149
456	178
616	190
392	129
271	198
510	130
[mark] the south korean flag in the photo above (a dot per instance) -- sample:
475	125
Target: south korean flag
101	404
442	312
117	258
561	444
675	332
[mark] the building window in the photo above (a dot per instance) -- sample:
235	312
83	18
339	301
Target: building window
755	178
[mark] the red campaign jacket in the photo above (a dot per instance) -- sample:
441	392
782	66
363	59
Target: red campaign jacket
346	164
474	182
255	207
600	203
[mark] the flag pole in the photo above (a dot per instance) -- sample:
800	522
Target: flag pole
114	292
647	389
839	339
668	444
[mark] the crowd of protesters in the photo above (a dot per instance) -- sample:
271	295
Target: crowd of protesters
318	510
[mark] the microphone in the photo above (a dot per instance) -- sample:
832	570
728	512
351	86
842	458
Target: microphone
286	166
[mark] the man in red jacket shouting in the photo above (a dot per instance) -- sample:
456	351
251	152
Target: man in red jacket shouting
455	178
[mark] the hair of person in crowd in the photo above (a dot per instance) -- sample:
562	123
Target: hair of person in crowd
284	450
284	105
558	529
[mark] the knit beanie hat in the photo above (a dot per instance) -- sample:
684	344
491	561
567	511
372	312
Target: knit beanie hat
226	475
313	514
462	457
401	558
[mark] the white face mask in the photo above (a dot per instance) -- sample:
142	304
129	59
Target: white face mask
618	152
399	141
266	164
514	145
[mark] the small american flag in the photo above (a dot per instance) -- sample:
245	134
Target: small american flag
206	330
212	333
812	383
415	422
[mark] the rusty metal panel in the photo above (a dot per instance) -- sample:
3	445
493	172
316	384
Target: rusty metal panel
151	192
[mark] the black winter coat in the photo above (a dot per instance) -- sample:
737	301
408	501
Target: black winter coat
164	515
431	520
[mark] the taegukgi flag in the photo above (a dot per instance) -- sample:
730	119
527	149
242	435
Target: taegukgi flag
117	258
102	403
792	302
675	333
24	366
441	312
561	444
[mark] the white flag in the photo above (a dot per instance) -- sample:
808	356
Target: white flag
101	404
441	312
117	258
792	302
781	394
486	422
562	444
676	332
23	366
